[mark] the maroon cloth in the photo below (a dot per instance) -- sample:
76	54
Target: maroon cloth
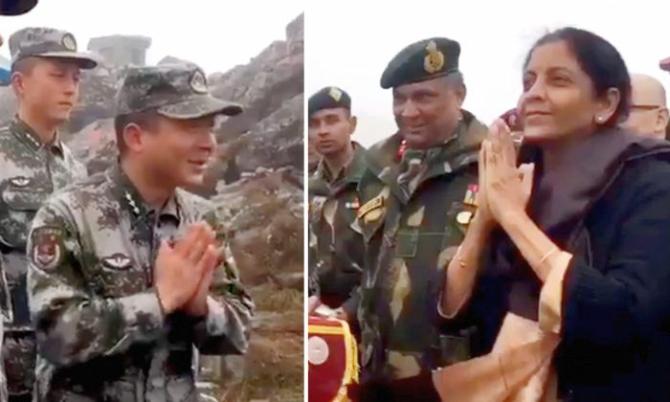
325	379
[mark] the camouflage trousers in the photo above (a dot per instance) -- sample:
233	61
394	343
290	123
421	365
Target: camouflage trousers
18	354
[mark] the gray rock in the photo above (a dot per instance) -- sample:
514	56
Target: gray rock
121	50
271	88
174	60
7	104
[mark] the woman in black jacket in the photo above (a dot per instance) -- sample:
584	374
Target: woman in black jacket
571	235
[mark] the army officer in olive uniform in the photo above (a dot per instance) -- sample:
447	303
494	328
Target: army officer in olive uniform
417	198
335	242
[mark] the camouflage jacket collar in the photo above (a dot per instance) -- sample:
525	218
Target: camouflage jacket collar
130	198
459	151
24	133
350	174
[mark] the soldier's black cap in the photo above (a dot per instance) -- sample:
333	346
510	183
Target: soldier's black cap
16	7
423	60
328	98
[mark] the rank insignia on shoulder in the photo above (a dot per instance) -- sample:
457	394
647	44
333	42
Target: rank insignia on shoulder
373	215
471	195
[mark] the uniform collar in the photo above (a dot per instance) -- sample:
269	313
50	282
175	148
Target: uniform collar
351	173
457	152
132	201
24	133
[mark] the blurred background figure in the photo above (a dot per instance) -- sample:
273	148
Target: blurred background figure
648	112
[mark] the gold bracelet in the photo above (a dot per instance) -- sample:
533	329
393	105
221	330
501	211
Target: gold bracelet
549	253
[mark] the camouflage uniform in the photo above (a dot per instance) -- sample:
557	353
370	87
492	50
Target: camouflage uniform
101	333
412	226
337	243
29	173
3	379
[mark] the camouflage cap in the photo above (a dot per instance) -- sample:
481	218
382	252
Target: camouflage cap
48	42
328	98
177	91
16	7
421	61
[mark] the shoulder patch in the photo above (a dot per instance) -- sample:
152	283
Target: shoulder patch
47	247
373	204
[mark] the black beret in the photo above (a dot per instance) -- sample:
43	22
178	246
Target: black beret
328	98
422	60
16	7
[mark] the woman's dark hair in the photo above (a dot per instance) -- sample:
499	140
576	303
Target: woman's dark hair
599	60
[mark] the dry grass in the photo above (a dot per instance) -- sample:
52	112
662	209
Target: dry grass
268	298
273	366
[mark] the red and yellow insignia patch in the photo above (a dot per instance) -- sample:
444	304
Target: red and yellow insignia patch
471	195
401	150
47	247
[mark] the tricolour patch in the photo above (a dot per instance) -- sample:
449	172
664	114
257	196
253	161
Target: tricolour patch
355	204
471	195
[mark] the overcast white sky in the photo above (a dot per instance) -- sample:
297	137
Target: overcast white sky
349	43
216	34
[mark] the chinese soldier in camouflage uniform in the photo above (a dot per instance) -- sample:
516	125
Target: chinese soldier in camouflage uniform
416	201
128	273
34	163
336	243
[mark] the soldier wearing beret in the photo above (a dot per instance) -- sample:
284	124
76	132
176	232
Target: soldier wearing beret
417	197
336	244
127	272
34	163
